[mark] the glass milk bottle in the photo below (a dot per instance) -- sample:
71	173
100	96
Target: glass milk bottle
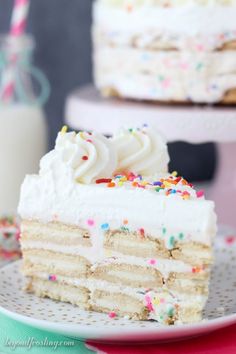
23	131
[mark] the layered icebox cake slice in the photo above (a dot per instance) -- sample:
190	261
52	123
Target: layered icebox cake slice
107	228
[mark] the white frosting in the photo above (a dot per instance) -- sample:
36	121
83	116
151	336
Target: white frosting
142	151
56	193
166	75
87	156
183	26
163	206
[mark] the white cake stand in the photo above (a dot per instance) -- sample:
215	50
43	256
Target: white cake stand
86	109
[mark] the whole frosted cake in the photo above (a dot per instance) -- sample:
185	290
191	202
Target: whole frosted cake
167	51
106	227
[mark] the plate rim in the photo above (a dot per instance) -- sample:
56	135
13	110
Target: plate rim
90	332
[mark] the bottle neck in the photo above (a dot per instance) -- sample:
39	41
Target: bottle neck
18	72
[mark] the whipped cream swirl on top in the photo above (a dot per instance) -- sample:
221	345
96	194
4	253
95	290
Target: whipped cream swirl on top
88	156
142	151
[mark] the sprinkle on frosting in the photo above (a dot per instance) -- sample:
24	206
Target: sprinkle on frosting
152	261
103	180
112	314
200	193
162	305
105	226
64	129
197	269
142	232
169	186
148	303
171	242
52	277
230	239
124	226
90	222
111	185
181	235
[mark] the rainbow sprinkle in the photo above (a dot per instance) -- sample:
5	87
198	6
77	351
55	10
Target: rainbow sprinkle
171	242
90	222
112	314
152	261
169	186
197	269
105	226
148	302
230	239
181	235
64	129
103	180
142	232
200	194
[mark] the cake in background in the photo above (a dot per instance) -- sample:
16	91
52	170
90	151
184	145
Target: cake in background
167	51
106	227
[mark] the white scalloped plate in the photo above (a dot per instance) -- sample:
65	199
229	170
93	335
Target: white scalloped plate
70	321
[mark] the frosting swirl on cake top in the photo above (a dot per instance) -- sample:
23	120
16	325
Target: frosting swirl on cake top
89	155
142	151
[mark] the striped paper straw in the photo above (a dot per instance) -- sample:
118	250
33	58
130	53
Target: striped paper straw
19	17
18	25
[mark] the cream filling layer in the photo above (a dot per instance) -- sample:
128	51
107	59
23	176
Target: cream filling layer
55	231
131	276
165	266
86	252
185	299
200	77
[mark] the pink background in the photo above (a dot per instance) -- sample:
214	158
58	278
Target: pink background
219	342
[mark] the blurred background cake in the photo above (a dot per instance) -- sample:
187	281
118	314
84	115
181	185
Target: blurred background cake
167	51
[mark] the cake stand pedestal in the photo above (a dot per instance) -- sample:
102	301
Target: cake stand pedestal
87	110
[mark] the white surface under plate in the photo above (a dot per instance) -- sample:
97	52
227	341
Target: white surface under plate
71	321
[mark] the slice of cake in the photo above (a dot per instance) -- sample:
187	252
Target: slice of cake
105	227
166	51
